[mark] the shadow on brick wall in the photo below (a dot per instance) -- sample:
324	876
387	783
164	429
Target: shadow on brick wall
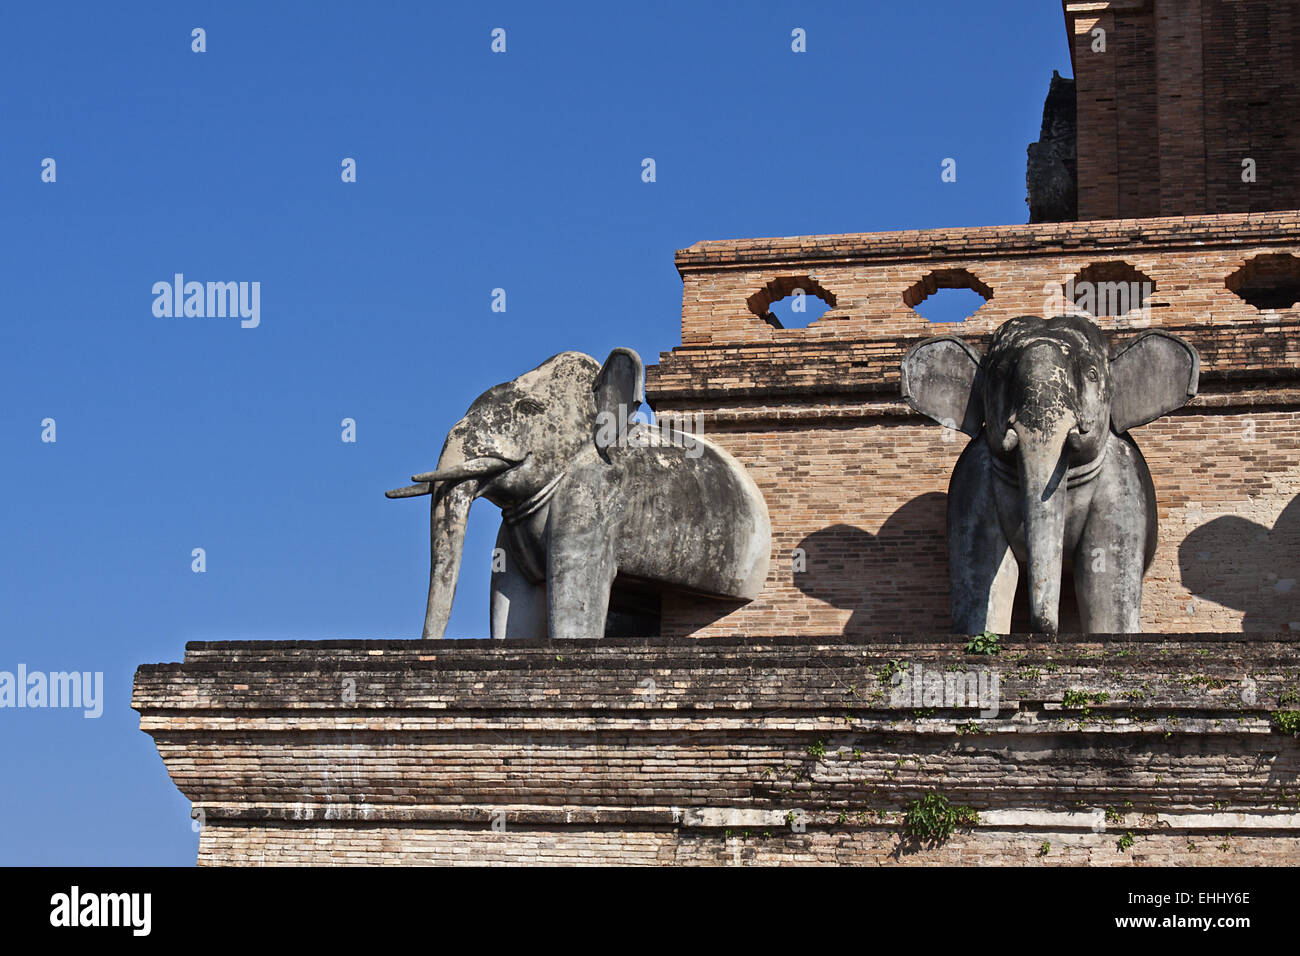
893	580
1246	566
897	579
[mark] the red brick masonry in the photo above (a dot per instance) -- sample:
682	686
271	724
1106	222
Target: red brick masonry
785	750
859	482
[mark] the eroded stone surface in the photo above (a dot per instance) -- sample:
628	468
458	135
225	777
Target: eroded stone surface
651	751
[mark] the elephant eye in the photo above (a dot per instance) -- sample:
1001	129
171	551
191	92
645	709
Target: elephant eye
1092	373
531	406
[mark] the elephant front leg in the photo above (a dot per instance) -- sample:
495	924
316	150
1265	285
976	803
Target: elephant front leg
518	604
1108	566
982	569
983	572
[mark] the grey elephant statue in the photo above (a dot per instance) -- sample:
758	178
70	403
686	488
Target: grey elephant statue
589	500
1051	474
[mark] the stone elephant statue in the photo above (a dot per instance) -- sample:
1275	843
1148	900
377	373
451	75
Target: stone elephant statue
587	497
1050	473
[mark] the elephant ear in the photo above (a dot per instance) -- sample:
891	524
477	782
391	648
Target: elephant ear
941	379
619	382
1151	376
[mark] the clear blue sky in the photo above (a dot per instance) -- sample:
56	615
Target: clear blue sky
475	171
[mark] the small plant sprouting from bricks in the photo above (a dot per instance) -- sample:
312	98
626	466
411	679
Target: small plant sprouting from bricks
817	749
885	673
1202	680
932	818
1287	721
1074	699
1287	716
1116	814
970	727
1286	797
986	643
1126	841
1044	848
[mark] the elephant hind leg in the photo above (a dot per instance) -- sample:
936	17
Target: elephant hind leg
518	605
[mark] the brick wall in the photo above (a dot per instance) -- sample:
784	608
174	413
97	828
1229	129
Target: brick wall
858	482
1182	93
780	750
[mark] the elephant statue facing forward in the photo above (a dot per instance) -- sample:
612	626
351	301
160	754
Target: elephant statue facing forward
1050	473
587	497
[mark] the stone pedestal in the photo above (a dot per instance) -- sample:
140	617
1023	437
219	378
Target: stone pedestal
1152	750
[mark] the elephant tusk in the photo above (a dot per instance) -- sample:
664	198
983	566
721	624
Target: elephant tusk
410	491
474	468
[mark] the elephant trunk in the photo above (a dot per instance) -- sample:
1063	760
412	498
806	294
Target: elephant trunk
453	487
448	517
1042	465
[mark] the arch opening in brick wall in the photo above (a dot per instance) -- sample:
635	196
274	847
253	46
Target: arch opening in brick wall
949	295
1269	281
1109	289
799	301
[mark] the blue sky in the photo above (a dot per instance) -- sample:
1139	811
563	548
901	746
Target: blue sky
475	171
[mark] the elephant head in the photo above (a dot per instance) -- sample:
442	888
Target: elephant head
514	444
1045	399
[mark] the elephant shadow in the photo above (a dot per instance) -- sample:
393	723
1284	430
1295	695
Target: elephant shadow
1246	566
897	579
893	580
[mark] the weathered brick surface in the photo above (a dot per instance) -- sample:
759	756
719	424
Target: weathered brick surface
1183	92
655	751
858	481
1188	258
223	845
